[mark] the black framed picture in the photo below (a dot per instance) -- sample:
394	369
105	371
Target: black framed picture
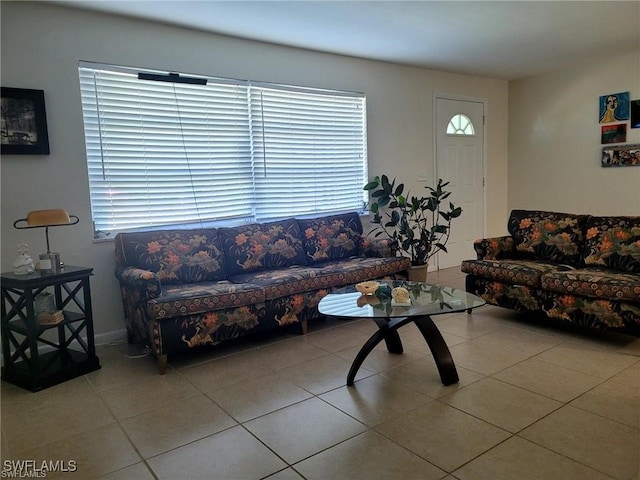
24	122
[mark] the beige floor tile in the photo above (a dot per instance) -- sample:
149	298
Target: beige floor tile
95	453
443	435
374	400
423	377
53	421
322	374
148	394
224	372
252	398
286	353
304	429
485	357
501	404
139	471
175	425
368	456
17	400
525	341
597	442
553	381
613	400
629	376
286	474
122	364
234	453
380	360
592	361
336	339
519	459
468	326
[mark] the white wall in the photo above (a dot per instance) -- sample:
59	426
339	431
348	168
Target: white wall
554	140
41	47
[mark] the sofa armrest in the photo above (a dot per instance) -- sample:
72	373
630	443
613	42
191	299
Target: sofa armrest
495	248
378	247
137	287
145	282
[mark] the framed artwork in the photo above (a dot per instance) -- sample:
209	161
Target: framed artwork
614	107
614	133
635	114
621	156
23	122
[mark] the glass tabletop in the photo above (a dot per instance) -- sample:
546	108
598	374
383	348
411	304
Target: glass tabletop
425	299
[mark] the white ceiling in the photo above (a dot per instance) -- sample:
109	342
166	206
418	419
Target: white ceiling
502	39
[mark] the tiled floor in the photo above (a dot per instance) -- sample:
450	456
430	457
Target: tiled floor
534	402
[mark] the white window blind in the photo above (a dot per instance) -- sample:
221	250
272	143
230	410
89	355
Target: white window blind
165	153
308	151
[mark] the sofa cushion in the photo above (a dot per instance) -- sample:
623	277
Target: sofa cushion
296	279
548	236
594	282
613	242
183	300
515	272
261	246
331	238
177	256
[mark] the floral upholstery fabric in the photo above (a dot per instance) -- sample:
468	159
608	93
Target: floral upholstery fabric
593	312
176	256
257	246
517	272
613	242
594	282
176	297
495	248
180	300
515	297
209	328
331	238
601	289
549	236
294	280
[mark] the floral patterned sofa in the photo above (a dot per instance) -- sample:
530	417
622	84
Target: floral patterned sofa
581	269
187	288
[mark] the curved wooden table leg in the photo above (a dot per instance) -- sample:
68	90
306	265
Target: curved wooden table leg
439	349
391	338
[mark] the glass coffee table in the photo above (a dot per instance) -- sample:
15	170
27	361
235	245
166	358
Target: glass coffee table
426	300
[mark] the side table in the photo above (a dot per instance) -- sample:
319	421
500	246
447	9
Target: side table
38	356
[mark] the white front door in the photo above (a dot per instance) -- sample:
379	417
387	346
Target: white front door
460	161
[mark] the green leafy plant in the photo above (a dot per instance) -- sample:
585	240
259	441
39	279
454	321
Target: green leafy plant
419	227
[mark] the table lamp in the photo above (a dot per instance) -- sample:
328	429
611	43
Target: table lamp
57	217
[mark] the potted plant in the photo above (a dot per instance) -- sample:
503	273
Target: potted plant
419	227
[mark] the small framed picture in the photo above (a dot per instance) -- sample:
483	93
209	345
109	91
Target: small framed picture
614	133
23	122
621	156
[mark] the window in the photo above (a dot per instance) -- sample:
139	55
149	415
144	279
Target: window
165	153
460	124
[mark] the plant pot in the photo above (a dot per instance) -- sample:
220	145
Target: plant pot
418	273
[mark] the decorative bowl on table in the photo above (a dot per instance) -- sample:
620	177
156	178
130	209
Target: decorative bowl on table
367	288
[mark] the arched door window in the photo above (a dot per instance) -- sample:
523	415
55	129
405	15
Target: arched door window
460	124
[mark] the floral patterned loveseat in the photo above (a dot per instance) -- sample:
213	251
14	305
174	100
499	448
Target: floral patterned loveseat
187	288
581	269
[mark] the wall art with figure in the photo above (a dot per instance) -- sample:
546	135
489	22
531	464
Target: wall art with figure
614	107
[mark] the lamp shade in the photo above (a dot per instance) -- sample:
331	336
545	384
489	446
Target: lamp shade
55	217
42	218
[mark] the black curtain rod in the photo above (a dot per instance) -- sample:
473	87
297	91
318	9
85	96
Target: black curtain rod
172	77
